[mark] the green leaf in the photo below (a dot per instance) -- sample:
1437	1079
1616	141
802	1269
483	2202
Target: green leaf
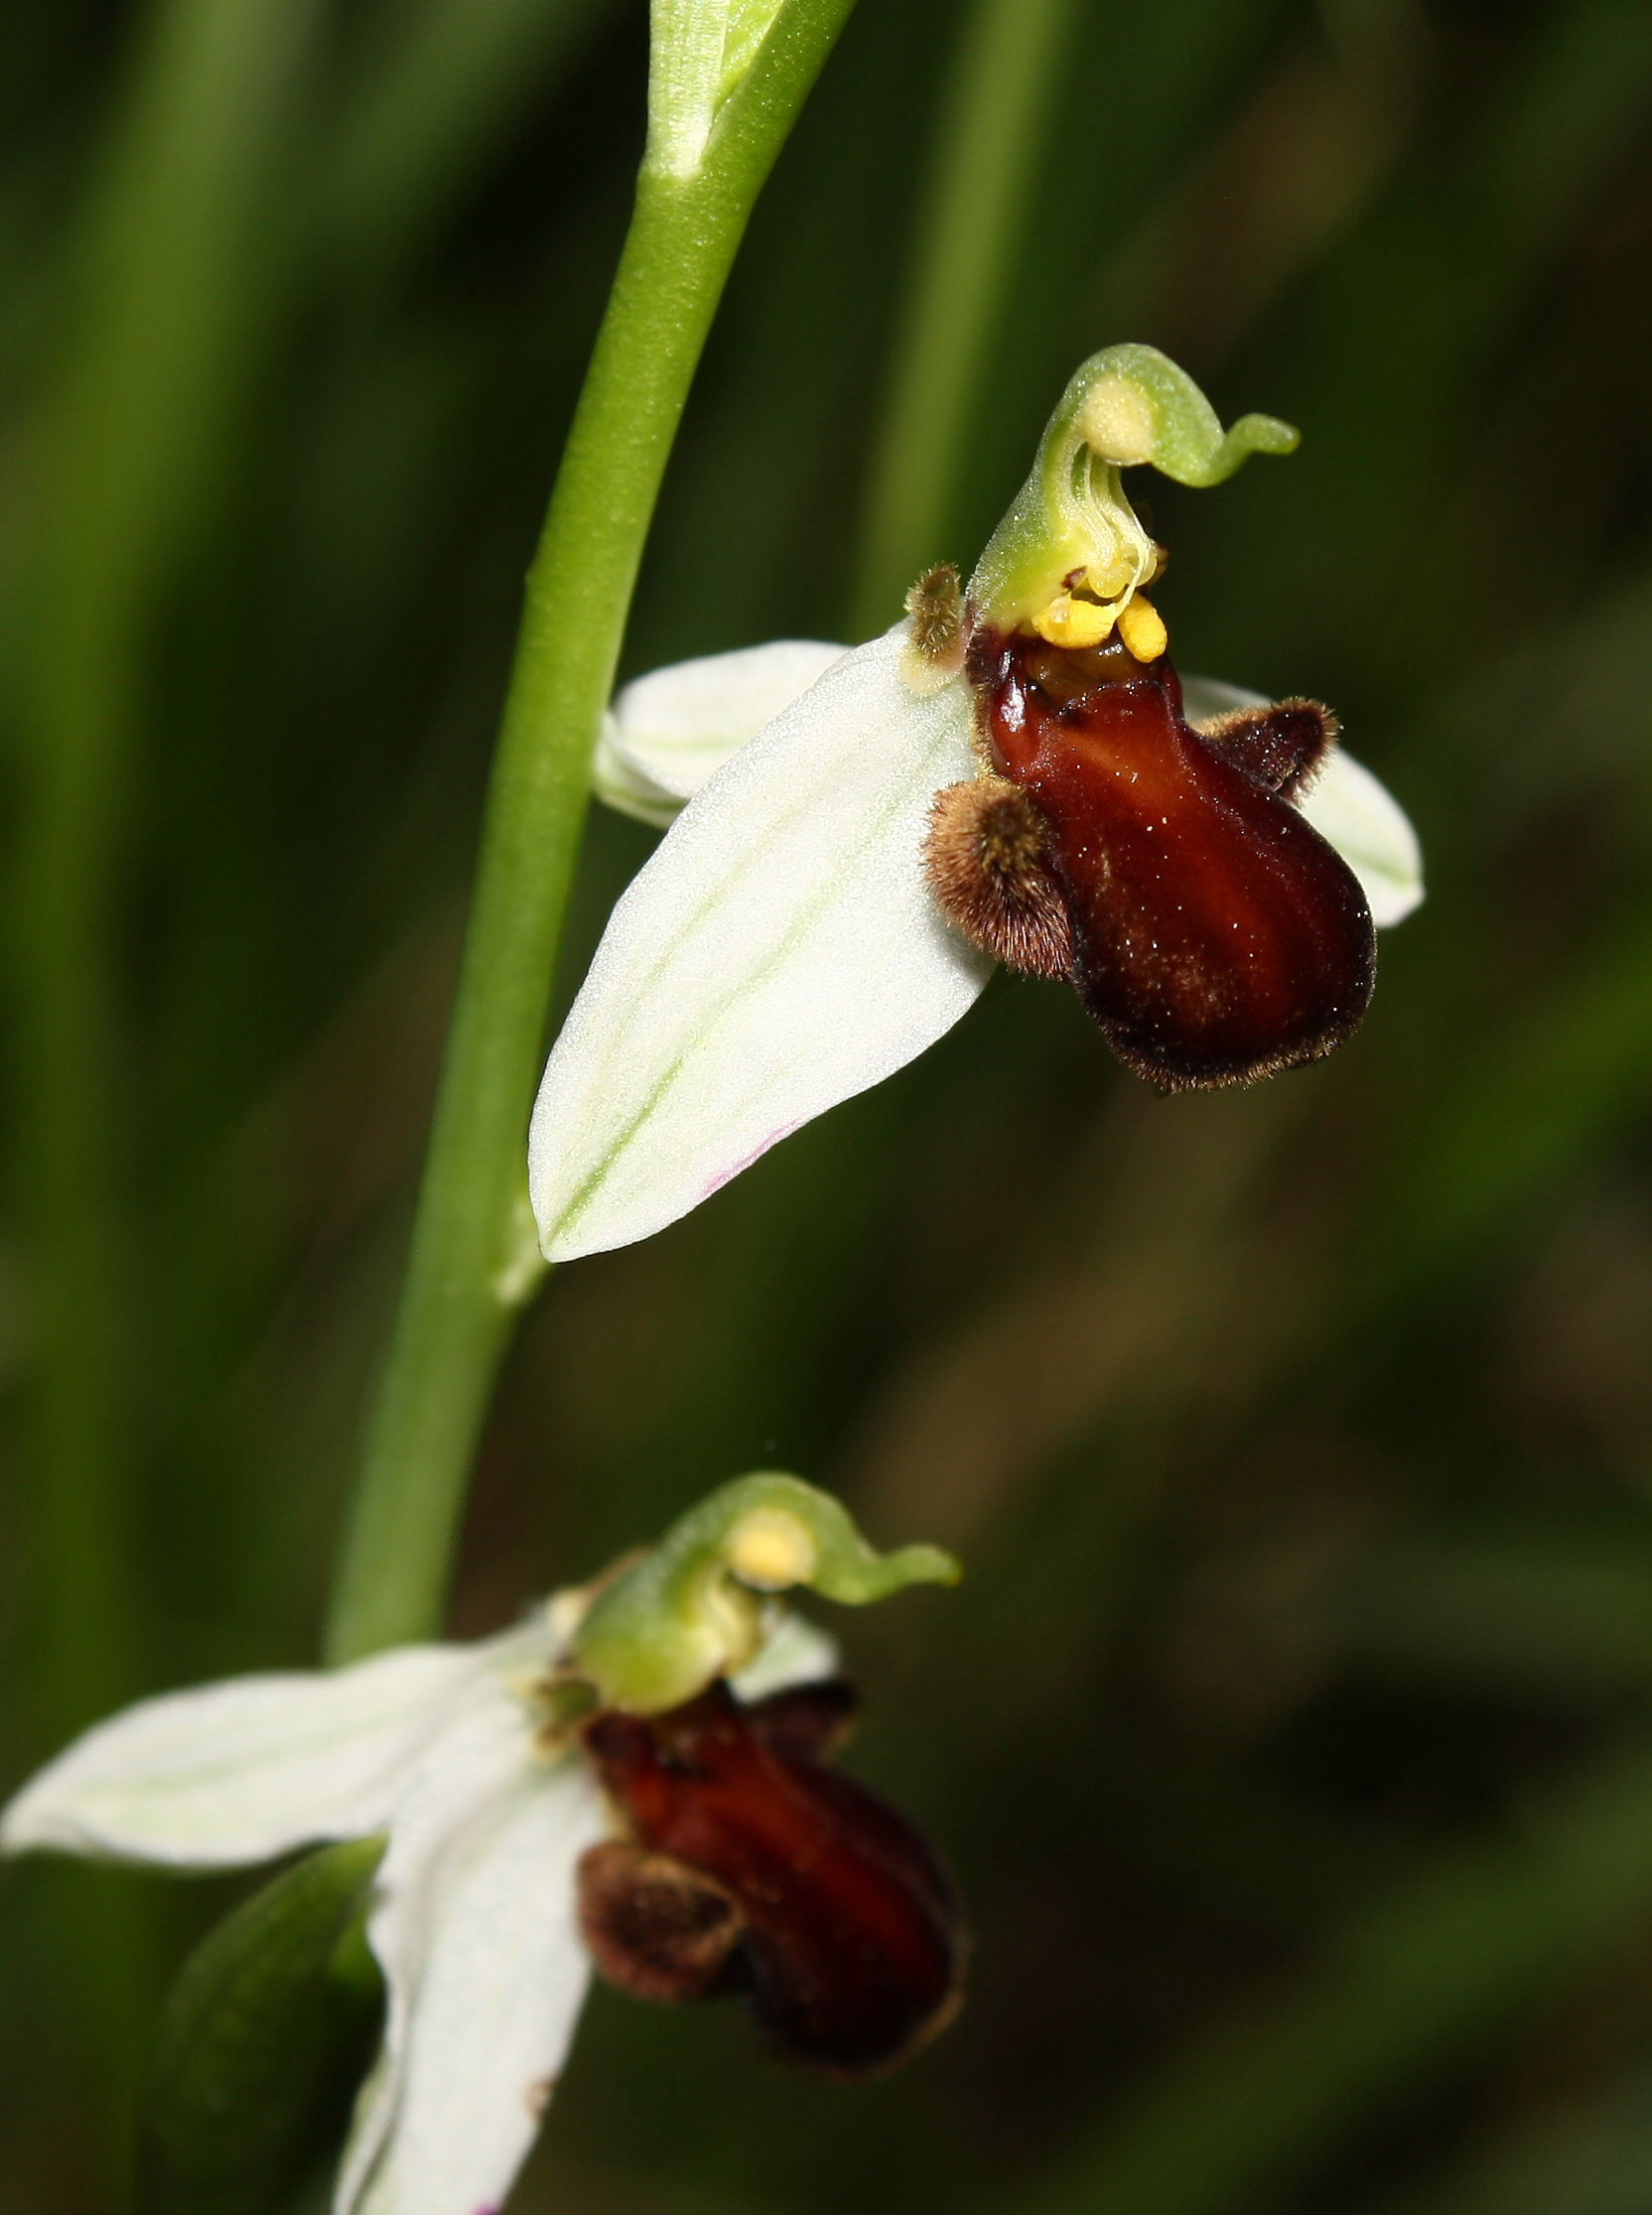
265	2025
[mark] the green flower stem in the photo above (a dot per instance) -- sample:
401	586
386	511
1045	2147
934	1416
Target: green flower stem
472	1264
991	129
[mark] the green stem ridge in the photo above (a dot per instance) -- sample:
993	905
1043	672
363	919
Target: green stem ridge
464	1277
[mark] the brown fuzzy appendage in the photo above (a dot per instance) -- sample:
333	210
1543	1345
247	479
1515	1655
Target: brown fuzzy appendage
985	857
1282	748
654	1926
936	605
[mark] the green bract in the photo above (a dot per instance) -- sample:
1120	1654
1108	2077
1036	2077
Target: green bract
256	2032
692	1608
702	52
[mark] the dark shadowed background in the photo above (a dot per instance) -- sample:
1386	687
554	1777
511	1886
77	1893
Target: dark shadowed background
1292	1735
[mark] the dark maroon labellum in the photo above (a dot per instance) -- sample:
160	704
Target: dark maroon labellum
1208	929
845	1933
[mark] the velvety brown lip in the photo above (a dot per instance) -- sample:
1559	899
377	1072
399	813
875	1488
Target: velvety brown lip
1215	935
851	1948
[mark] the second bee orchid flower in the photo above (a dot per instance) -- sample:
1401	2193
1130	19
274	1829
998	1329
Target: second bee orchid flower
655	1739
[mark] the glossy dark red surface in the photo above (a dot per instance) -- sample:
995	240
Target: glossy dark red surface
852	1947
1216	936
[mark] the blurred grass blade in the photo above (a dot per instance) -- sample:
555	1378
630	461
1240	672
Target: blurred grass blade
1521	1113
136	420
990	135
1579	102
164	280
1561	1615
1593	2159
435	104
1411	1989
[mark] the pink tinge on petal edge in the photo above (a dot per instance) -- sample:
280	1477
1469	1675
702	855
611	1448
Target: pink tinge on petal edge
728	1175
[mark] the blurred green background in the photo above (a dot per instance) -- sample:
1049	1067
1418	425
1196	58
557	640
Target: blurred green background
1293	1733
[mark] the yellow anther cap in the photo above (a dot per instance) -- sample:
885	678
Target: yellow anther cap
1074	623
1141	629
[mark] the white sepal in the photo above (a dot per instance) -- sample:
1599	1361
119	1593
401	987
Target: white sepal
1203	697
476	1929
781	952
245	1769
1371	831
668	732
795	1651
1349	806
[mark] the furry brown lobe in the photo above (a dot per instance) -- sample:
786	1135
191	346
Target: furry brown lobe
984	856
654	1927
1282	748
936	605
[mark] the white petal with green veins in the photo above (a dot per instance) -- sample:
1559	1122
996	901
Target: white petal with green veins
240	1770
780	953
476	1932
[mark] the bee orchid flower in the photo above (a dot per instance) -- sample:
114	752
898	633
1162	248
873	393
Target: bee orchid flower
1013	772
636	1777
